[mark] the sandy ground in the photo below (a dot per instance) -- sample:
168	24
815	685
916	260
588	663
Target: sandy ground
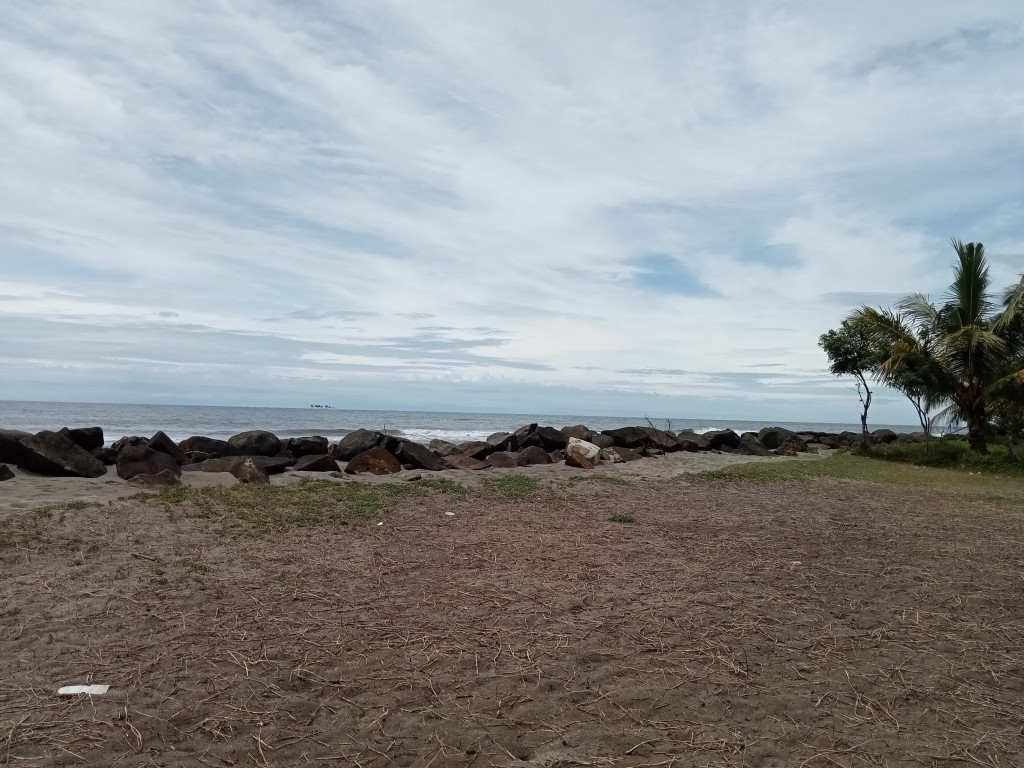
815	623
27	490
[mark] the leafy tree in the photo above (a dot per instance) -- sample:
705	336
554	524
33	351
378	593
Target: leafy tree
852	352
970	352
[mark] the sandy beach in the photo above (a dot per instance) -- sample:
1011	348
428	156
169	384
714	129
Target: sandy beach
815	619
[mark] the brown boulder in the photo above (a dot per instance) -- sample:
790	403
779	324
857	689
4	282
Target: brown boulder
419	456
461	461
356	442
503	460
375	460
143	460
312	463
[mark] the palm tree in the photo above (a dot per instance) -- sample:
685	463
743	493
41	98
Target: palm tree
971	351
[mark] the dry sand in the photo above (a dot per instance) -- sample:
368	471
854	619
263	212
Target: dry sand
815	623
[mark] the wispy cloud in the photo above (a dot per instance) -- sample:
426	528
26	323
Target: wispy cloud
545	198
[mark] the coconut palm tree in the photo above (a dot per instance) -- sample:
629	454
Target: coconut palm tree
971	349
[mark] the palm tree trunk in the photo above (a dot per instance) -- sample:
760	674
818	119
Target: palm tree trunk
976	433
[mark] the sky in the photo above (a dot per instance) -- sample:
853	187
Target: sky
582	207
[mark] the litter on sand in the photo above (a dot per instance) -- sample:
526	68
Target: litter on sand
91	690
450	514
380	523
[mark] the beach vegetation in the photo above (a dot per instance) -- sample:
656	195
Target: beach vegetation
852	352
511	486
967	352
622	517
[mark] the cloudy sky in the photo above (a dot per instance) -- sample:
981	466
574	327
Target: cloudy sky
581	207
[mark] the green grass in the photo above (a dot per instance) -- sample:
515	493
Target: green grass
622	517
510	486
951	454
979	486
27	529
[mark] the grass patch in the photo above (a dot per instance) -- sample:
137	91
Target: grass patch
511	486
263	509
26	529
622	517
982	487
948	454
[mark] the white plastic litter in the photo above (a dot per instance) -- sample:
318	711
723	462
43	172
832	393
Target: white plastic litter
380	523
450	514
91	690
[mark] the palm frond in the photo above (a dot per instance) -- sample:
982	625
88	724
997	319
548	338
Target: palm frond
1013	311
968	292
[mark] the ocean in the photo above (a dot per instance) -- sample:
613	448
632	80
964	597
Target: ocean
181	421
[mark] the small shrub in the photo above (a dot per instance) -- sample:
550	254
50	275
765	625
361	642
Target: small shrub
622	517
511	486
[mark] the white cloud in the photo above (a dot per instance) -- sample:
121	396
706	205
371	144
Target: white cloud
510	167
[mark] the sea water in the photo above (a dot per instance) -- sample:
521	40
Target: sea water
181	421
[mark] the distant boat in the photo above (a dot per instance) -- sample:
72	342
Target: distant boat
321	406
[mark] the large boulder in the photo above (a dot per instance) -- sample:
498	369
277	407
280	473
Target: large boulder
307	446
6	473
791	447
85	437
624	454
534	454
661	440
211	446
248	471
461	461
443	447
419	456
161	442
578	431
628	437
476	449
51	453
751	446
772	437
601	441
256	442
883	436
692	442
503	441
163	479
580	453
316	463
527	436
356	442
503	460
129	441
374	460
720	439
10	445
551	439
143	460
271	464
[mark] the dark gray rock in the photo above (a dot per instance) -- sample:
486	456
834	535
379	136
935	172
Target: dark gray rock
162	479
161	442
772	437
751	446
460	461
6	473
272	464
419	456
10	445
375	461
307	446
356	442
628	437
551	439
475	449
256	442
210	446
883	436
533	455
143	460
85	437
107	455
661	440
601	441
503	441
626	454
314	463
503	460
129	441
692	442
579	431
54	454
443	447
719	439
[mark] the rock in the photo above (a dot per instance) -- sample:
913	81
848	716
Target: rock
692	442
503	441
829	441
10	445
527	436
883	436
374	460
163	479
503	460
578	431
817	448
273	465
577	447
461	461
557	457
133	441
256	442
628	437
143	460
791	447
751	446
660	439
772	437
356	442
307	446
532	455
580	453
609	455
443	447
475	449
85	437
722	438
316	463
551	439
210	446
419	456
107	455
601	441
161	442
247	471
626	454
6	473
54	454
